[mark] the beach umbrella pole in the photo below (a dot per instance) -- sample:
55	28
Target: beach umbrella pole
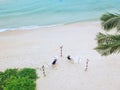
61	51
86	67
43	69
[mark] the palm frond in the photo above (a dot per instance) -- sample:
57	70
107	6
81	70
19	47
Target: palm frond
107	38
107	16
110	21
108	49
109	44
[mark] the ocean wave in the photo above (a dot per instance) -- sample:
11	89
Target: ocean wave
29	27
33	14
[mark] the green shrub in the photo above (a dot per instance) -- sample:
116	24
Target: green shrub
20	83
10	72
14	79
29	72
1	80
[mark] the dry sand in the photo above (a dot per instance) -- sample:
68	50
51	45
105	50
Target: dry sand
34	48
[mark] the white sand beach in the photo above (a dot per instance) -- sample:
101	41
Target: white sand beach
34	48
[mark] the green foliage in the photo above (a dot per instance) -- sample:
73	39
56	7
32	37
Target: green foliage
31	73
110	21
10	72
107	38
107	16
109	44
20	83
13	79
1	80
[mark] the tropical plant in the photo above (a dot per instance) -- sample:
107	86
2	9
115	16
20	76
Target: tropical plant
110	21
20	83
31	73
107	43
14	79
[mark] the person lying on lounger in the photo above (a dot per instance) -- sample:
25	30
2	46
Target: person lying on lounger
73	59
70	59
54	62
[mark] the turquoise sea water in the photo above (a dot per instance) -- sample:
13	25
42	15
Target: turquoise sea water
26	14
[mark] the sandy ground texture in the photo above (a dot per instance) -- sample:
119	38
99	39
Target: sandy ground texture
34	48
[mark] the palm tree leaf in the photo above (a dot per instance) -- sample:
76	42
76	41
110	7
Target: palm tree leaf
107	16
111	23
107	38
109	44
107	49
103	50
115	48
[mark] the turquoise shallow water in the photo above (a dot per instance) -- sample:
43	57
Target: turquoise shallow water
26	14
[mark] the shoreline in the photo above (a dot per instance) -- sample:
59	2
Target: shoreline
44	26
